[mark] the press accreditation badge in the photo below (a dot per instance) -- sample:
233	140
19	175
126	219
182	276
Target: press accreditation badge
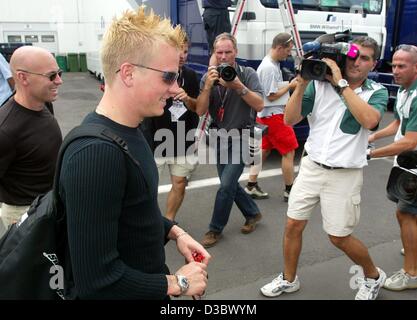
177	110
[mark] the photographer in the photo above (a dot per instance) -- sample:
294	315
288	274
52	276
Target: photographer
341	111
280	136
230	104
404	69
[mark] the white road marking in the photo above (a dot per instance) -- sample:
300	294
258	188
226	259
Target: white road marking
215	181
245	175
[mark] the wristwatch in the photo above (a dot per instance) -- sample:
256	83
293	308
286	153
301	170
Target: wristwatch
182	283
341	85
243	92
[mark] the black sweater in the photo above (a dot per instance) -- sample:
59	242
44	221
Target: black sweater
115	228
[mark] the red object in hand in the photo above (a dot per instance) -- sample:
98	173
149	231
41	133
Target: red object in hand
198	257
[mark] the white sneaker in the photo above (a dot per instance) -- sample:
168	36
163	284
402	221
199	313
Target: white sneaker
400	280
280	285
369	288
256	192
402	252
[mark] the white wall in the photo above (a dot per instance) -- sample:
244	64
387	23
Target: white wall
77	23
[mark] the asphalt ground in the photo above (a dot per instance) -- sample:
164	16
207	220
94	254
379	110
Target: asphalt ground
241	263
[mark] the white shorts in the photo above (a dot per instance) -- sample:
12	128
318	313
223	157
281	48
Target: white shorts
337	191
178	167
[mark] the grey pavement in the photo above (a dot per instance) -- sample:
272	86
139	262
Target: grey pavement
241	264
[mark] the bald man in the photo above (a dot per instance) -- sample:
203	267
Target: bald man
29	134
404	126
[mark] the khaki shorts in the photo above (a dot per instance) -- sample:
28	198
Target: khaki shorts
11	214
337	191
178	167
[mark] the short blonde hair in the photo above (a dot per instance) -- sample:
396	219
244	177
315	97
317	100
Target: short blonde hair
133	38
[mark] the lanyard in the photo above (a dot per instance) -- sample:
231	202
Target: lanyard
220	112
180	79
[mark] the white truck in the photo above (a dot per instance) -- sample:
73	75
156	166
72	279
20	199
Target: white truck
61	26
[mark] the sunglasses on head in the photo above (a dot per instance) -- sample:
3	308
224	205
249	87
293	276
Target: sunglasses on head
50	75
168	76
288	41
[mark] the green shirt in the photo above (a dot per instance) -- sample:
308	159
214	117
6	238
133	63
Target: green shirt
336	138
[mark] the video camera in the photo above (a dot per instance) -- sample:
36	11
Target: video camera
402	182
334	46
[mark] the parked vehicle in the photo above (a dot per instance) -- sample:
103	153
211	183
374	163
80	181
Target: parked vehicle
261	21
401	26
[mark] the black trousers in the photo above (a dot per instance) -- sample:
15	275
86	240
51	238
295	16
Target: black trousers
216	21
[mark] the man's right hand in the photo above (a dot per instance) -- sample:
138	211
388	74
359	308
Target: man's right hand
212	77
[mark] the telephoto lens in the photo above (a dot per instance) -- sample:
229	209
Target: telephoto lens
226	72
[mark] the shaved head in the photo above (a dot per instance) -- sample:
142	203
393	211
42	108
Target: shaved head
30	58
404	65
35	72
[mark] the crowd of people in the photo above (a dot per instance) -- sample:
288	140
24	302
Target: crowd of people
115	225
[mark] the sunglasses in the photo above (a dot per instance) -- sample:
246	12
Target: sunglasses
167	76
289	40
51	75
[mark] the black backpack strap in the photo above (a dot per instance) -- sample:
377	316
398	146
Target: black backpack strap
84	131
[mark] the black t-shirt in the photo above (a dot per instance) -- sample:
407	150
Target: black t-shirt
29	144
189	120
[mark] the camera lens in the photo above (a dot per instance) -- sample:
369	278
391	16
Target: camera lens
313	69
317	69
407	187
226	72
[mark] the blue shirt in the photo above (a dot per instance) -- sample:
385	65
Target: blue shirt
5	73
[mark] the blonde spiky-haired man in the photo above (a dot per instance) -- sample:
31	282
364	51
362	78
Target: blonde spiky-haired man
115	227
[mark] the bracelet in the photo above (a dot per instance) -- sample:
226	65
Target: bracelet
180	235
242	92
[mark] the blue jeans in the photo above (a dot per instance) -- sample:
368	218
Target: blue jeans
229	191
